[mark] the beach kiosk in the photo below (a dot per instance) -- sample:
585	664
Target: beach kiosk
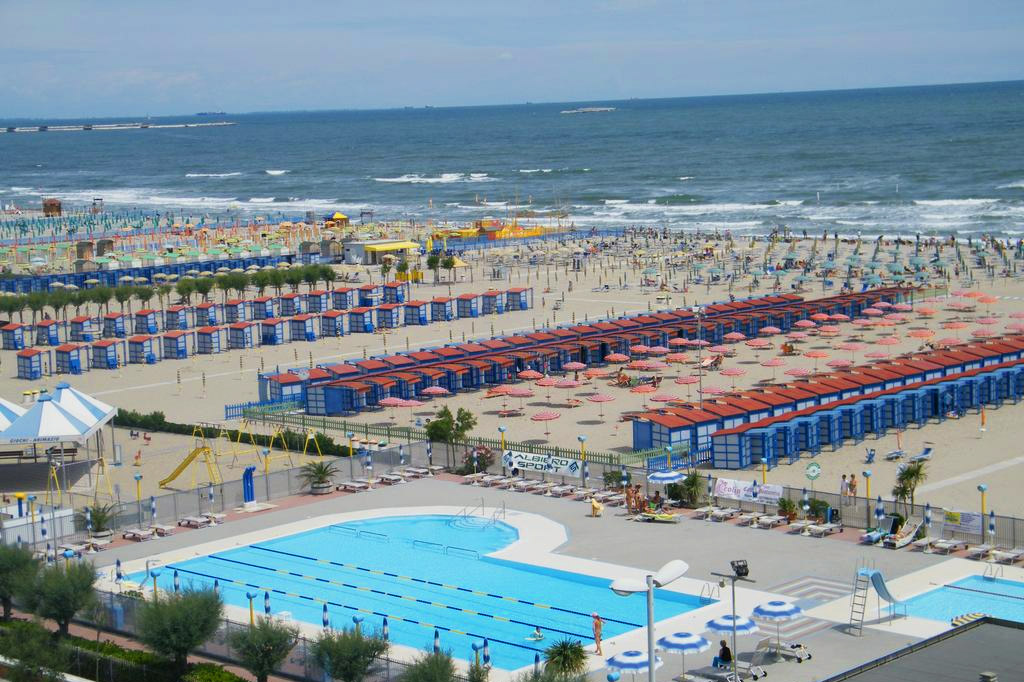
332	323
47	333
241	335
104	354
114	326
175	344
234	311
318	301
146	321
290	304
176	317
30	363
83	329
468	305
389	315
71	358
210	340
142	350
360	320
396	292
343	298
519	298
15	336
262	308
281	387
442	309
371	295
302	327
417	312
493	302
272	332
206	314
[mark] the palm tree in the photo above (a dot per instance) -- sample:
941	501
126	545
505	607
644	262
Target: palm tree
317	475
566	658
911	476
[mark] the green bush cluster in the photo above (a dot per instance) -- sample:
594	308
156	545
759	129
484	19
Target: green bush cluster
156	421
210	672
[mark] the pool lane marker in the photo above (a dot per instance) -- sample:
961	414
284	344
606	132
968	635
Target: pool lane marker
426	602
389	616
443	585
994	594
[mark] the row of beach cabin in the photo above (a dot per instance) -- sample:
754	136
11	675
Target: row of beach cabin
345	388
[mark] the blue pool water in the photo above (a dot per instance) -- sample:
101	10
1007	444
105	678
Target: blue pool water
422	572
994	597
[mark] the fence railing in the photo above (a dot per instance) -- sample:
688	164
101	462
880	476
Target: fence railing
237	410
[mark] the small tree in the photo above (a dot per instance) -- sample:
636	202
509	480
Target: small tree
163	291
402	267
277	280
385	268
294	279
911	476
36	301
449	264
123	295
260	280
317	473
175	625
450	429
566	658
478	672
263	646
224	284
17	568
203	286
80	298
433	667
101	297
144	294
185	288
58	593
101	516
36	658
434	263
311	275
348	655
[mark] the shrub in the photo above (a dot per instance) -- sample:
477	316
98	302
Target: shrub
817	508
484	460
566	657
17	567
786	506
36	658
100	515
177	624
210	672
612	479
433	667
688	492
317	473
348	655
262	647
58	592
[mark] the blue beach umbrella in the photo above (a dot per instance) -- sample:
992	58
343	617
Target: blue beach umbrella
384	631
879	511
327	619
709	485
266	602
437	641
722	624
665	477
632	662
152	507
401	455
777	611
683	643
177	581
487	653
992	523
216	586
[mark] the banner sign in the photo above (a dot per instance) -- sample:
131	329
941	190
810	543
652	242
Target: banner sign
528	461
964	522
732	489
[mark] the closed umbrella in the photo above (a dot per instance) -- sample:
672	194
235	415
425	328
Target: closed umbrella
437	641
991	524
266	602
385	632
683	643
326	619
879	511
177	581
152	508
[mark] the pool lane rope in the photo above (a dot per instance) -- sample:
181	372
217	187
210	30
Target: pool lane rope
444	585
993	594
389	616
393	595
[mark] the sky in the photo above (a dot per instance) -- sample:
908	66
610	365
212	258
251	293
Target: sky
76	58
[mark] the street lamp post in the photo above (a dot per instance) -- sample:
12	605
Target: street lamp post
138	495
351	455
501	433
982	488
698	312
583	457
740	571
624	587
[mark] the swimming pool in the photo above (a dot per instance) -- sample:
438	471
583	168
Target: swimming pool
992	596
422	572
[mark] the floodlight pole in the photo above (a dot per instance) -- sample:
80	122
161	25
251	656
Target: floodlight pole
650	627
699	313
733	578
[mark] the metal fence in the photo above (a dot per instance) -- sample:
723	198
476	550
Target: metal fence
119	613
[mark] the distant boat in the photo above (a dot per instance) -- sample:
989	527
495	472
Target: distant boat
211	113
588	110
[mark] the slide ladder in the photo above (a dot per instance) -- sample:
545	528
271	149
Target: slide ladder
859	600
211	466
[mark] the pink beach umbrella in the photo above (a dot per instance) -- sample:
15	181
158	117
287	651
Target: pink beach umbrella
896	317
596	372
656	365
1019	315
733	372
435	391
546	382
639	365
720	349
774	363
984	332
888	341
678	342
574	366
391	402
804	324
567	383
799	372
530	375
852	346
828	329
616	357
734	336
713	390
601	399
796	336
921	333
699	343
643	388
876	354
903	307
639	349
678	358
839	317
987	320
657	350
871	312
926	311
820	317
769	330
948	341
839	363
758	344
883	305
545	417
1016	326
664	398
816	355
520	392
687	381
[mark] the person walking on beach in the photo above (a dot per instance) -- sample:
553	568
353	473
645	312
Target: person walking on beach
844	490
598	626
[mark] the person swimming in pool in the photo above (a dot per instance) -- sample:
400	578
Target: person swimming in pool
536	635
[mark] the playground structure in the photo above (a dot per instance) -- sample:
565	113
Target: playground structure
202	452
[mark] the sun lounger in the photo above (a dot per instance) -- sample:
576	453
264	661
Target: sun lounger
1008	556
924	456
162	531
724	514
604	495
872	536
584	493
562	491
525	485
925	543
391	479
353	486
416	472
894	454
980	551
661	517
902	538
214	517
948	546
435	469
769	521
194	521
137	534
543	487
705	512
870	458
616	500
797	652
75	548
749	519
820	530
800	525
473	479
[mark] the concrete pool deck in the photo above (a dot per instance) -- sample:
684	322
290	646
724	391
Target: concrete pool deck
817	574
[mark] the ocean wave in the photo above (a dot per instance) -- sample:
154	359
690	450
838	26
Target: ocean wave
1012	185
442	179
953	202
536	170
615	202
276	172
261	200
211	175
684	178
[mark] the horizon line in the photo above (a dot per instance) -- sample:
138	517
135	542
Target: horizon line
420	107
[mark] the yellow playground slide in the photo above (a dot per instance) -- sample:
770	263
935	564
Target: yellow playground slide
211	466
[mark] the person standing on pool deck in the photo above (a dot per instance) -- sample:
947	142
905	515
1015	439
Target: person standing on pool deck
598	625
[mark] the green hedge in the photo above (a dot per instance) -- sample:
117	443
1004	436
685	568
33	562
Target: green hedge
156	421
210	672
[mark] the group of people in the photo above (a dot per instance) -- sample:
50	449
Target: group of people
848	489
637	502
